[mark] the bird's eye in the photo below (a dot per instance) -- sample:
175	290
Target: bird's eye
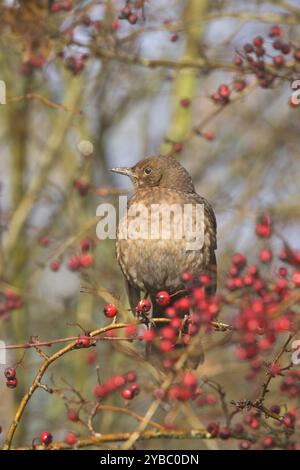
147	170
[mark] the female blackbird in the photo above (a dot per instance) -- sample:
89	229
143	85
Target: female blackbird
154	263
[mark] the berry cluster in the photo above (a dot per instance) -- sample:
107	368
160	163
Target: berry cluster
83	260
254	59
126	382
9	301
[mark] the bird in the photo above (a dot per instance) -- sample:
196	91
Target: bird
151	265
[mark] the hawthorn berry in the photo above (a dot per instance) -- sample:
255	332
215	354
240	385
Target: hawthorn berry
10	373
144	306
258	41
266	256
46	438
148	335
83	342
278	60
296	278
135	389
12	383
174	37
127	394
130	376
177	147
224	91
208	135
185	102
163	298
70	439
239	85
133	18
297	55
86	260
238	61
110	310
54	266
73	415
100	391
213	429
245	445
275	31
73	263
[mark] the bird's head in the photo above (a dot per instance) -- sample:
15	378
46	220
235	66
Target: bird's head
162	171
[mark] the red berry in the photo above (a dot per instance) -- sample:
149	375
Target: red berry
133	18
297	54
166	346
248	48
162	298
110	310
130	376
10	373
296	278
208	135
245	445
127	394
266	256
185	102
239	260
44	241
100	391
126	12
130	330
144	306
117	381
224	91
85	244
190	379
70	439
177	147
275	31
86	260
278	60
135	389
148	335
83	342
73	415
12	383
213	429
174	37
171	312
46	438
81	185
239	85
91	357
225	433
54	266
115	25
168	333
238	61
277	44
183	305
263	230
258	41
285	49
73	263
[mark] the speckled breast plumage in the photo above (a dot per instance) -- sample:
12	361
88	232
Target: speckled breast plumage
152	264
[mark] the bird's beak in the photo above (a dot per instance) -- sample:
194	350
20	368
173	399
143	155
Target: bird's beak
123	171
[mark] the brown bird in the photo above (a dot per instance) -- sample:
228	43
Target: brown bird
152	264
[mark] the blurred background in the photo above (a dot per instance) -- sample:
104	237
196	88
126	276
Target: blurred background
86	91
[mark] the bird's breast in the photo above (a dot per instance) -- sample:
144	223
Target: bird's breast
163	234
